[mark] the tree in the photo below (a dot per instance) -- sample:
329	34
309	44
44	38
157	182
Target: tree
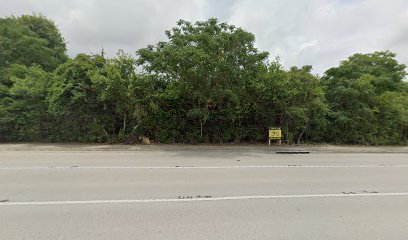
209	65
24	110
392	118
293	100
387	72
30	47
73	101
112	85
206	83
97	99
127	93
31	40
355	91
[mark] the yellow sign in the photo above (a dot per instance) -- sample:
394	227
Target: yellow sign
275	133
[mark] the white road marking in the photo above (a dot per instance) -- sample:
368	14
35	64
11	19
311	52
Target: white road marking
136	201
201	167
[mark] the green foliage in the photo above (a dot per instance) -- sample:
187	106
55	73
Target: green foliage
74	101
209	66
25	116
29	40
30	47
392	115
293	100
206	84
95	99
359	93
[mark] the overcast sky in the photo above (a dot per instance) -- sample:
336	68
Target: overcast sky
314	32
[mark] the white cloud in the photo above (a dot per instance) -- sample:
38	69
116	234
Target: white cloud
301	32
323	32
307	45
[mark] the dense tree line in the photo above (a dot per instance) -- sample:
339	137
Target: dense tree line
206	84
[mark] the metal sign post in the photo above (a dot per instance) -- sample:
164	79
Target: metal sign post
275	133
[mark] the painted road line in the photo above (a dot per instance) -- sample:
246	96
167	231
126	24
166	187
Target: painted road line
237	198
199	167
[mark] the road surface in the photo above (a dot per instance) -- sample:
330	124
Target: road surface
201	194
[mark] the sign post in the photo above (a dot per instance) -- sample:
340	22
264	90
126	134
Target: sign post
275	134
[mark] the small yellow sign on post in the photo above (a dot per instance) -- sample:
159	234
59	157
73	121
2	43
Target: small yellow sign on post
275	134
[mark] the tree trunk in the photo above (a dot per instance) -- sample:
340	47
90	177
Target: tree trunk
201	129
124	124
301	135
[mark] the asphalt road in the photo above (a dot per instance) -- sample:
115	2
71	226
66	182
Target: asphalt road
202	194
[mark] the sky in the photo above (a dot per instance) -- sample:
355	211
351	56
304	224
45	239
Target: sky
320	33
